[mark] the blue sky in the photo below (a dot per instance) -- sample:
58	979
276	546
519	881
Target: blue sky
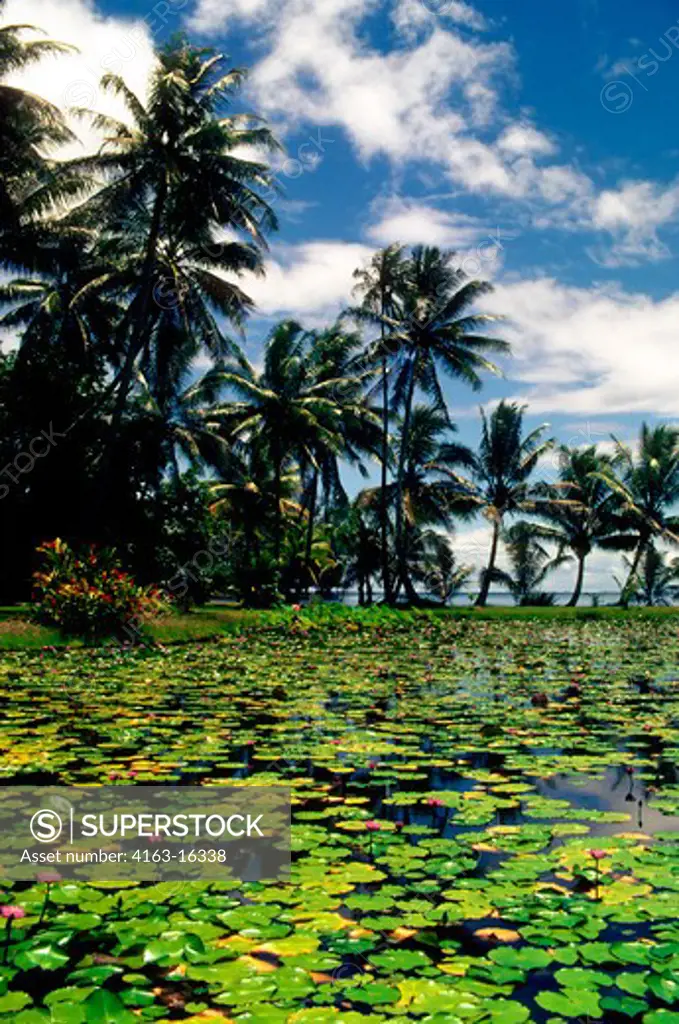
536	139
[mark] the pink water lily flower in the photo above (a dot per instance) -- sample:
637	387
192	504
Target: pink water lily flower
434	801
598	854
373	826
48	877
15	913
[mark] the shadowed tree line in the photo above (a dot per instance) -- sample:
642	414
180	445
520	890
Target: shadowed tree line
123	271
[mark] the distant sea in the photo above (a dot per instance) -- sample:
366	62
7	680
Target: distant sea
465	599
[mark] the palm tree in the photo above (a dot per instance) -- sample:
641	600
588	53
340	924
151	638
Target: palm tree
43	309
380	284
183	422
430	497
357	542
286	408
530	562
177	143
29	126
435	328
500	475
647	486
335	358
655	582
303	566
432	564
247	494
582	509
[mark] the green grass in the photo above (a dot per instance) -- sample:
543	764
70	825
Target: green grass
18	632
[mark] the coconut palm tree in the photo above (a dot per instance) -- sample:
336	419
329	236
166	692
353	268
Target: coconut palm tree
530	563
435	328
582	509
335	357
430	495
176	143
247	494
183	421
655	582
285	407
500	475
43	311
379	284
357	543
433	565
30	127
647	486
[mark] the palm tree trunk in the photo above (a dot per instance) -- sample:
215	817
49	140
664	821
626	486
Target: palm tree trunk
485	583
401	549
643	541
575	597
384	502
138	336
310	526
278	526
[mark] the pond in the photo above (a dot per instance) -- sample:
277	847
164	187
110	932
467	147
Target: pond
485	824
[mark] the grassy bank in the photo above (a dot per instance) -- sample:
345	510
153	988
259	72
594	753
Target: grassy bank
18	632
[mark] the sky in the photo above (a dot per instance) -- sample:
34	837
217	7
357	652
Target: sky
535	139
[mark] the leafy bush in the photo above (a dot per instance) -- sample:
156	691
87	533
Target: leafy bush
89	594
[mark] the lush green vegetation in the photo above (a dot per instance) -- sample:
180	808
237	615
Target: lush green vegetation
486	800
484	823
115	281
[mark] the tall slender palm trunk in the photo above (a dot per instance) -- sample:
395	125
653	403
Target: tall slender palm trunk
485	582
278	495
401	532
384	500
575	596
311	514
641	547
139	330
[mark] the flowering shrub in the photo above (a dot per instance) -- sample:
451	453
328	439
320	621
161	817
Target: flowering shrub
89	594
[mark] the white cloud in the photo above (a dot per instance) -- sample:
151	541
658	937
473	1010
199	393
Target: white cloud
434	98
590	351
523	140
312	280
411	222
120	45
426	100
211	16
410	16
635	211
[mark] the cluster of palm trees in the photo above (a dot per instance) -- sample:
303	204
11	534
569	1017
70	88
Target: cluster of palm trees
124	268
